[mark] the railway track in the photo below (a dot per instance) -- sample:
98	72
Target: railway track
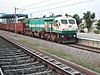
45	64
21	60
86	48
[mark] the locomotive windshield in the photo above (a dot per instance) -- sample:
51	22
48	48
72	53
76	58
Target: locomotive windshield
64	21
71	21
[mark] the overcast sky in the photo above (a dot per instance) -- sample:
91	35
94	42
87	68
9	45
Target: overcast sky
45	7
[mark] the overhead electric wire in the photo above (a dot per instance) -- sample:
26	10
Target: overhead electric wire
63	6
34	4
21	11
48	4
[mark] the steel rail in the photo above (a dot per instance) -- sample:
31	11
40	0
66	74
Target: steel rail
83	47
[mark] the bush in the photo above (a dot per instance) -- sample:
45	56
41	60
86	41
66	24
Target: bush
82	31
96	31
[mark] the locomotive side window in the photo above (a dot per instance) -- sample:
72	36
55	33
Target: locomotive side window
64	22
56	23
71	21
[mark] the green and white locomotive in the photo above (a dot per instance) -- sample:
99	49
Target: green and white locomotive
56	28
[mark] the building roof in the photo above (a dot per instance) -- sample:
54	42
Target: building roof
13	15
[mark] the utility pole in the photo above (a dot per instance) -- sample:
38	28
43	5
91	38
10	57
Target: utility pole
15	19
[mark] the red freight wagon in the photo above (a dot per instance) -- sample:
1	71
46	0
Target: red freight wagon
7	26
0	26
11	27
20	27
3	26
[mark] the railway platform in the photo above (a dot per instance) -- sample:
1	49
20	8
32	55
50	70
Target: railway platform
92	40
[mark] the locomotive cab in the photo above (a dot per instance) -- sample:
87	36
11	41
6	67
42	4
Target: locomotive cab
67	28
64	24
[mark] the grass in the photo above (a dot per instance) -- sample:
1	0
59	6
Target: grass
61	54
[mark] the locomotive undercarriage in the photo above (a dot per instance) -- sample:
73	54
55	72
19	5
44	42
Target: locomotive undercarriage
52	36
69	38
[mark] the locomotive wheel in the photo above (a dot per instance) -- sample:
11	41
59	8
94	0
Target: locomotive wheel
42	34
36	34
58	39
53	36
47	36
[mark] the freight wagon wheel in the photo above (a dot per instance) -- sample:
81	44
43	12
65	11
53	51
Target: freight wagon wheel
30	34
26	33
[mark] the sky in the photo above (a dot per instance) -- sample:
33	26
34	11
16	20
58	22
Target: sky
38	8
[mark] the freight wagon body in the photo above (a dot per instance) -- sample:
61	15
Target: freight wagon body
59	29
18	27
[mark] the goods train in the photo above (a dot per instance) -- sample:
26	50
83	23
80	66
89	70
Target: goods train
57	28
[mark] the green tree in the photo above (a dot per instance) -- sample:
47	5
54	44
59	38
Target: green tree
88	19
78	20
98	25
66	14
92	15
52	15
44	16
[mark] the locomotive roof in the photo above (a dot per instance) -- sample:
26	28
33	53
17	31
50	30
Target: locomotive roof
49	18
44	19
59	18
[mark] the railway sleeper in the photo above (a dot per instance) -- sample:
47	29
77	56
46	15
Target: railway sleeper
15	59
23	58
14	56
18	62
9	57
49	72
20	66
11	54
26	70
64	67
11	50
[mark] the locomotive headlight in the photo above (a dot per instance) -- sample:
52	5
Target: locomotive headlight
74	35
62	35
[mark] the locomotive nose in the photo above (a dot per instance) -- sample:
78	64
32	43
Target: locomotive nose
70	26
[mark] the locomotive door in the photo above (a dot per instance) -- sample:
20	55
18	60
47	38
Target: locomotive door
48	25
56	25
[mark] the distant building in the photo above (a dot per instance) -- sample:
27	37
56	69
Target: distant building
2	20
12	18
